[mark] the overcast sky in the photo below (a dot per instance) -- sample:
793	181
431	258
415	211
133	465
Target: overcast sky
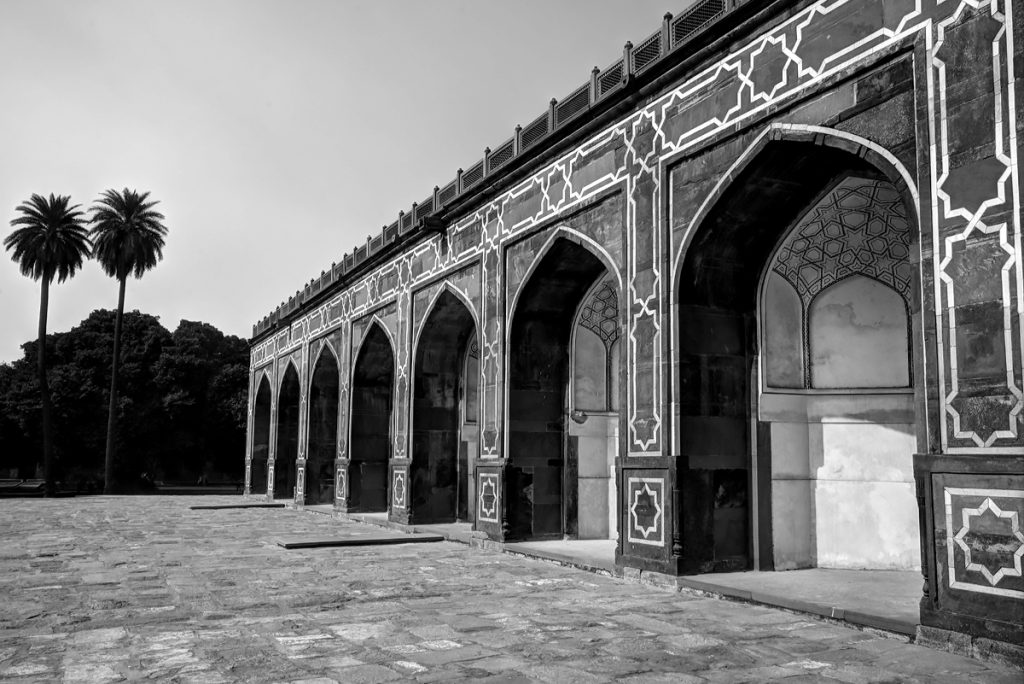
276	134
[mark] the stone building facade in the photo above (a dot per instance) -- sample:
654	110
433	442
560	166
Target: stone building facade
750	298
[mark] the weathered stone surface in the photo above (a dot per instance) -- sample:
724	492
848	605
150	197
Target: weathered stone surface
120	589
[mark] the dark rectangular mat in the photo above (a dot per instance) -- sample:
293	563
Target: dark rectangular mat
218	507
358	540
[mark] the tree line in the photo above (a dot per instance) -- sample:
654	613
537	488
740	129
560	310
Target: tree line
181	404
51	240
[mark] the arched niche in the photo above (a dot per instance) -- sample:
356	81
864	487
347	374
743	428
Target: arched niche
837	402
260	438
323	429
542	482
593	425
440	469
762	452
287	453
373	387
846	261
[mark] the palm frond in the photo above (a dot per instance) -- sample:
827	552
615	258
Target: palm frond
50	238
128	236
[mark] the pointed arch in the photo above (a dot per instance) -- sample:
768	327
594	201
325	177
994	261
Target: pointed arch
898	229
578	337
371	425
264	374
572	235
543	483
287	452
289	364
260	452
440	463
324	346
872	153
322	426
736	440
446	286
376	321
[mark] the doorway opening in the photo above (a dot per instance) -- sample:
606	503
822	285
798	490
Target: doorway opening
543	475
323	429
260	439
593	408
441	468
287	453
373	382
796	405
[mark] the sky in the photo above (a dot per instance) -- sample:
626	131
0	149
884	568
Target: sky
276	134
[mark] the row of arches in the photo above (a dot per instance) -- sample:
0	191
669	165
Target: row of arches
793	383
564	336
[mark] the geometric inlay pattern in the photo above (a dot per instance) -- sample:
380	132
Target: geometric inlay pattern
859	228
984	540
488	498
647	510
398	489
339	487
600	314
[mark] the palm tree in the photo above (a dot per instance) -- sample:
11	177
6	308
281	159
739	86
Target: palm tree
128	238
50	240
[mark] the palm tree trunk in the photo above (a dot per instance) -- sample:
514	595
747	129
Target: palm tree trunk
108	464
50	488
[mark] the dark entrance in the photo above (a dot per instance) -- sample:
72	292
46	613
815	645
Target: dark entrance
260	439
542	482
373	382
323	430
287	435
440	462
720	430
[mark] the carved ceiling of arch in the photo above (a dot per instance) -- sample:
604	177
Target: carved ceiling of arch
860	227
600	313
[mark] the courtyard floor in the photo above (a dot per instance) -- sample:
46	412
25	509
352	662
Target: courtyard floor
99	589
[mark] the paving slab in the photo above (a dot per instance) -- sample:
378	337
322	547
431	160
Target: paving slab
144	588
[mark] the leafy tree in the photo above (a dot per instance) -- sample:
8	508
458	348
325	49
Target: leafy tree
129	238
201	374
19	418
50	240
84	366
182	402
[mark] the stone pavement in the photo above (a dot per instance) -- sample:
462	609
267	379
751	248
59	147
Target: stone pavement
99	589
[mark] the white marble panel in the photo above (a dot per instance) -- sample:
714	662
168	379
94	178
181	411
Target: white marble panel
862	525
858	336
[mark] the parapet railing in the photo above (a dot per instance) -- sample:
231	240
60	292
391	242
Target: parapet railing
675	32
